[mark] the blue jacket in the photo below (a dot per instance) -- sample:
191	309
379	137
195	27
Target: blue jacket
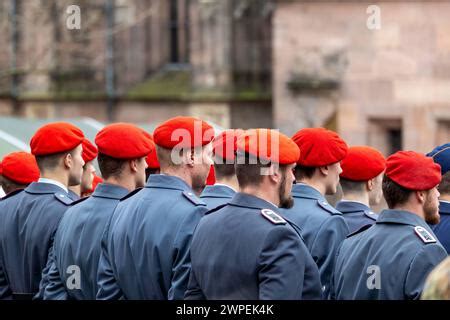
77	245
322	226
146	246
389	260
28	222
239	253
356	214
217	195
442	229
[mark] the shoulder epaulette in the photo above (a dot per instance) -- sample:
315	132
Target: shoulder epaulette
326	206
193	198
272	216
424	235
63	198
371	215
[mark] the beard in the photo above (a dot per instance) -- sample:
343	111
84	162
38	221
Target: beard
198	183
431	211
286	199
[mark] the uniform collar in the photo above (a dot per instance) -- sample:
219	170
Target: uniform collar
401	217
218	191
246	200
54	182
110	191
444	207
347	206
302	190
164	181
43	188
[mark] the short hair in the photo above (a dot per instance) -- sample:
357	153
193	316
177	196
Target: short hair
109	166
394	193
223	171
350	186
9	185
444	186
248	169
303	172
50	162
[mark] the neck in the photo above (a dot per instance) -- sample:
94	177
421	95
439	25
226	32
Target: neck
359	197
230	181
263	193
315	184
61	178
412	208
179	172
126	182
76	189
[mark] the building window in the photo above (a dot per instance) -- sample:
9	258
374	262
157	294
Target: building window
179	31
385	135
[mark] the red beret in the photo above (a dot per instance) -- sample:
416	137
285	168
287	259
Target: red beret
224	145
183	132
211	179
20	167
319	147
362	163
152	158
90	151
269	145
55	137
413	171
123	141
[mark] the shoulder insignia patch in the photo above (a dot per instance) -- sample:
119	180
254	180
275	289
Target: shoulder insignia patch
371	215
272	216
131	194
326	206
63	197
424	235
193	198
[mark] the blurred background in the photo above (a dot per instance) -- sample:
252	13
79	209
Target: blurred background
284	64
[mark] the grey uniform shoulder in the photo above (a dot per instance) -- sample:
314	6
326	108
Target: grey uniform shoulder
79	201
189	195
371	215
132	193
363	228
328	207
11	194
63	198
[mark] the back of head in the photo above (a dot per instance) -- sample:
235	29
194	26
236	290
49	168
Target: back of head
441	155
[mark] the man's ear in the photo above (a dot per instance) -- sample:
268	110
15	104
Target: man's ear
324	170
68	161
189	156
133	165
274	173
420	196
369	184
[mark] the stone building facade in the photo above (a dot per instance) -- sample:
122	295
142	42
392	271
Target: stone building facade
386	87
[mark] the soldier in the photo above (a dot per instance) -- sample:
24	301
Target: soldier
77	246
224	150
441	155
317	173
18	170
245	249
89	154
146	252
392	259
30	217
361	177
95	182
